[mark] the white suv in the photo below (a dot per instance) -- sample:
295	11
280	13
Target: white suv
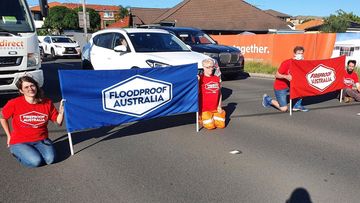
136	48
60	46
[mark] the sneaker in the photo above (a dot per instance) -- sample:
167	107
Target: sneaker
347	99
266	101
300	108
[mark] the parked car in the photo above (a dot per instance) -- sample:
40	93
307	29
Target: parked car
230	59
60	46
136	48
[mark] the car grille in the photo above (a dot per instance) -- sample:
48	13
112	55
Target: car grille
226	58
10	61
70	50
6	81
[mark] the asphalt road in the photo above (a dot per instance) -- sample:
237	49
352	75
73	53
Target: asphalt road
306	157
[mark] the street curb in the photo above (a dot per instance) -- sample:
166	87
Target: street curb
262	75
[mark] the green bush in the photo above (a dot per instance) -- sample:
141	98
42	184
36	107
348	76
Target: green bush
42	32
259	67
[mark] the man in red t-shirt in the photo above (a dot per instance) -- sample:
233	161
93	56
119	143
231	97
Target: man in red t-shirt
282	85
212	115
351	80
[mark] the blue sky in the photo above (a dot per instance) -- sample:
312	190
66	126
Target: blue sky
294	8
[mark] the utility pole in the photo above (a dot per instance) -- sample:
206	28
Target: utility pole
84	18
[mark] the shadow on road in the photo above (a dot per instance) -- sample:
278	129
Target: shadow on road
62	150
5	98
106	133
321	98
278	112
229	109
299	195
241	76
51	85
226	93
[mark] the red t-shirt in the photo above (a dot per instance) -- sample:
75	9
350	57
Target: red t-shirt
351	79
209	93
284	69
29	121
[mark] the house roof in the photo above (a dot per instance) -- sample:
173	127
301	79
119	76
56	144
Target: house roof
96	7
142	16
51	4
122	23
277	13
309	24
221	15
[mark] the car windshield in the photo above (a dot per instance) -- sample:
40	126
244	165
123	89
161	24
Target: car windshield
157	42
195	38
61	40
15	17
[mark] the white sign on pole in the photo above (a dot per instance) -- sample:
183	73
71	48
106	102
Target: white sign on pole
81	20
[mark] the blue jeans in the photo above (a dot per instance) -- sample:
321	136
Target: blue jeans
32	154
281	97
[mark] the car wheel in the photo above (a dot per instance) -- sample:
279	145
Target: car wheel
86	65
53	56
42	54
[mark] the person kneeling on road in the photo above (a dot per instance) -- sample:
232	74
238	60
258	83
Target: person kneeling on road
28	140
351	80
282	85
212	115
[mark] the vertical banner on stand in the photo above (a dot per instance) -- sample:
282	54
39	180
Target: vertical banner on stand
316	77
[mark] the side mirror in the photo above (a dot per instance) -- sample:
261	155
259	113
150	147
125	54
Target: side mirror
120	48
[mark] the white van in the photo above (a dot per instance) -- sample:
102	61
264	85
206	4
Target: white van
136	48
19	46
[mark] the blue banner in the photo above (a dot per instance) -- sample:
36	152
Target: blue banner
112	97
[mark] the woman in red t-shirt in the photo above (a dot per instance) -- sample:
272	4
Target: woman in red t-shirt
28	140
212	115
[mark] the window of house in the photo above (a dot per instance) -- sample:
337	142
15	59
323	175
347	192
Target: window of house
37	16
108	14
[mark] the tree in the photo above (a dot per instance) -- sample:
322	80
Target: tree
123	12
339	22
61	18
95	20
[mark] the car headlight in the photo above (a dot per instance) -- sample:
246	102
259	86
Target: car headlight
212	55
33	59
57	46
154	64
